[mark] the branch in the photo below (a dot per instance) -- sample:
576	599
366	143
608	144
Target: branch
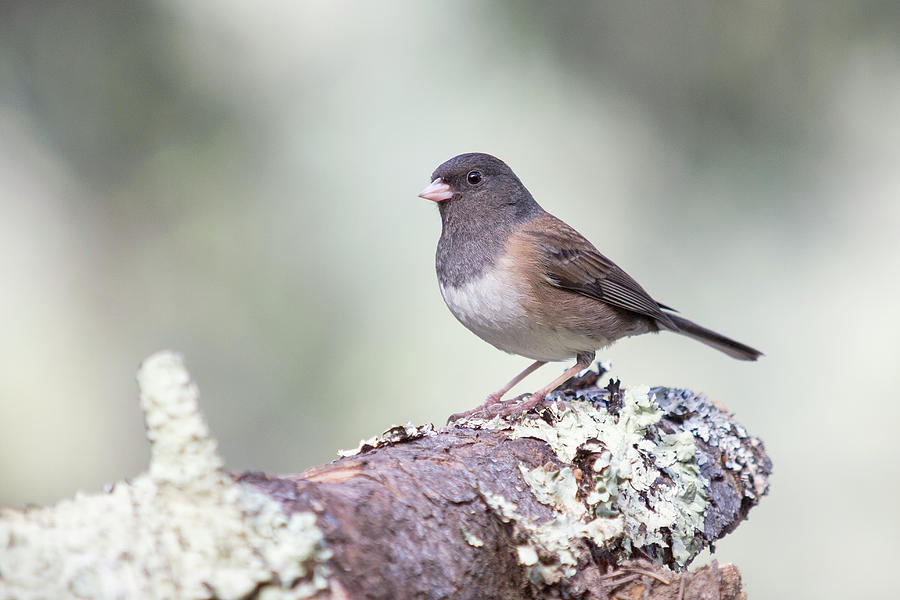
598	494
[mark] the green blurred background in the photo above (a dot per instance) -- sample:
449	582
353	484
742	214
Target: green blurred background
238	181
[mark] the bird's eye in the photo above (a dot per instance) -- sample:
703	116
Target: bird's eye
474	177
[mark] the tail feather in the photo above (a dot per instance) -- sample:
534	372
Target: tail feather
716	340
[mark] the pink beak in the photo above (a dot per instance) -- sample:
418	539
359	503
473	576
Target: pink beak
437	191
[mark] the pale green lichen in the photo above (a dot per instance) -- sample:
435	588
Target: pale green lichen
527	555
394	435
472	539
546	548
554	487
642	478
503	508
181	530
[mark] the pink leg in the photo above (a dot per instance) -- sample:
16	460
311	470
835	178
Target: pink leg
495	397
584	361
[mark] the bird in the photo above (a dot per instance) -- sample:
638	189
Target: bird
529	284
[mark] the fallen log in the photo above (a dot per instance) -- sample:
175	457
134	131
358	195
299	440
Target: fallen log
597	493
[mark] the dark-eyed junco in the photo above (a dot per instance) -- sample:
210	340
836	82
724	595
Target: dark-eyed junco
529	284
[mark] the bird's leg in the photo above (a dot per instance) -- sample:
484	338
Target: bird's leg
583	361
496	396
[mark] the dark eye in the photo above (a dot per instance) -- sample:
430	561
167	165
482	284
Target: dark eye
474	177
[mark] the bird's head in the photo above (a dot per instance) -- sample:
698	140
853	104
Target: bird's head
476	184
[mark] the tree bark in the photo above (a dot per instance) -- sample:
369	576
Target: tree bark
597	493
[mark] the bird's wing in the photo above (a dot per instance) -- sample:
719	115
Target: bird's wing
571	262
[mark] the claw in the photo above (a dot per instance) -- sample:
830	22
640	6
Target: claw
490	408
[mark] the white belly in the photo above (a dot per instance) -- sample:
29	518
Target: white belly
492	309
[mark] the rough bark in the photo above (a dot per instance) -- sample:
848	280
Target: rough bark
599	493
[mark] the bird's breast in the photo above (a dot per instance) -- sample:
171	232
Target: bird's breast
488	304
496	307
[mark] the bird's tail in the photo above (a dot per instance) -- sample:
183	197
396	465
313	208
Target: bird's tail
711	338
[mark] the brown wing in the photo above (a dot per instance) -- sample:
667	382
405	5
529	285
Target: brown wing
572	263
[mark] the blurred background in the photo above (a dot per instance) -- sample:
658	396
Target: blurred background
238	181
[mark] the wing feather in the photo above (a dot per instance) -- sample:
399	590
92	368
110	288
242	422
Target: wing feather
573	263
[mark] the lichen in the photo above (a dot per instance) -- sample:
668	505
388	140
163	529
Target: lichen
527	555
554	487
472	539
547	549
182	529
394	435
503	508
643	478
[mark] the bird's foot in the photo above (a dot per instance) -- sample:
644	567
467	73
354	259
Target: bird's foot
495	408
519	405
491	402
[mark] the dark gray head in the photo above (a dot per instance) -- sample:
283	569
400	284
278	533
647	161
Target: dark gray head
479	186
480	200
